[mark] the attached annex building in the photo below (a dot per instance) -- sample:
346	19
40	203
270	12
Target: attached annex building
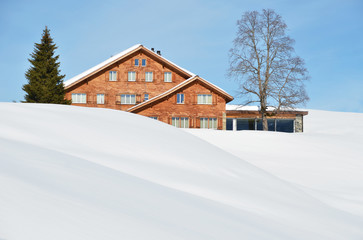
140	81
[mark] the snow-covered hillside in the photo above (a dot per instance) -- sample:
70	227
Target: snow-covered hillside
325	161
81	173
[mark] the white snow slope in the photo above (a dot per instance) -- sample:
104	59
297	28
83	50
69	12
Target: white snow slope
82	173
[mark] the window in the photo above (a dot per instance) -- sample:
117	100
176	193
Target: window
203	122
79	98
285	125
143	62
146	97
246	124
128	99
175	121
213	123
229	124
278	125
167	77
148	76
100	98
184	122
180	98
136	62
132	76
113	76
180	122
271	124
204	99
155	118
208	123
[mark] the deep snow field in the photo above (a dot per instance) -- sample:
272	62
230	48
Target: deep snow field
82	173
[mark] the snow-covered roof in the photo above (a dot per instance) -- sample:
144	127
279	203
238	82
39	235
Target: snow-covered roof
230	107
117	57
102	64
180	85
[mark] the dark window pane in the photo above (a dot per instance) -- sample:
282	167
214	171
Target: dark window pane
229	124
245	124
285	125
271	124
259	124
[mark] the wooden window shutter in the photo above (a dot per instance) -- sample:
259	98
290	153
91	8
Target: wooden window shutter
118	99
214	97
197	122
94	98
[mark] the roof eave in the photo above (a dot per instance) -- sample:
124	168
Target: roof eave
103	67
171	91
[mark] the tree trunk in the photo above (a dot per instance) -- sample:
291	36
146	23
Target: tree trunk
264	112
264	122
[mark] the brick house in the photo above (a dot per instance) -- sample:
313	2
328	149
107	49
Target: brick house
140	81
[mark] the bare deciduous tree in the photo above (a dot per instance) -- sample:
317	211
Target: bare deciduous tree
263	60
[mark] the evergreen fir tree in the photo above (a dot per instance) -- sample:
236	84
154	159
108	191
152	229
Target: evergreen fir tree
45	84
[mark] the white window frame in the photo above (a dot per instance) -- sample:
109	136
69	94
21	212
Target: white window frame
112	76
168	77
205	99
184	122
128	99
131	76
79	98
136	61
175	121
143	62
213	123
180	98
148	76
101	98
203	123
146	96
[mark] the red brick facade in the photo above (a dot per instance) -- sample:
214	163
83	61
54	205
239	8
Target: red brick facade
122	94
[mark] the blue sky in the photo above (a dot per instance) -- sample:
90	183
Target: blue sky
194	34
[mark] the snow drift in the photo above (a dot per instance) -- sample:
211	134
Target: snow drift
81	173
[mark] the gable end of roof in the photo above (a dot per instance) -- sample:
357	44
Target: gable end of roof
90	72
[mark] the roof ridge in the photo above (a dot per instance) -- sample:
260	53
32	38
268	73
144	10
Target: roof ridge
114	58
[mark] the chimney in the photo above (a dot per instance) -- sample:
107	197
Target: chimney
158	52
152	49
